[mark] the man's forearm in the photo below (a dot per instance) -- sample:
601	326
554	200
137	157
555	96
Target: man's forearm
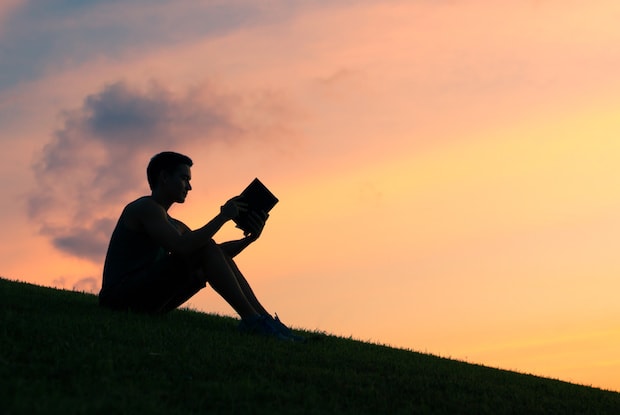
233	248
193	240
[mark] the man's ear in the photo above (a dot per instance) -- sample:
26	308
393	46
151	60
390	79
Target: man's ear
163	177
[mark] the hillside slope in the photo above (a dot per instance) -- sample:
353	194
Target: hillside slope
60	353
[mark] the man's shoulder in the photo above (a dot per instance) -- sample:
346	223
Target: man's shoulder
140	210
142	202
141	206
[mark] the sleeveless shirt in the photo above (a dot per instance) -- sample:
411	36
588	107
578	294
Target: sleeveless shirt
129	253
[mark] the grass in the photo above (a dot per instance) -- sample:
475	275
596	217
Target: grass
61	354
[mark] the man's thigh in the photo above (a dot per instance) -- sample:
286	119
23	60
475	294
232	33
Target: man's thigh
159	288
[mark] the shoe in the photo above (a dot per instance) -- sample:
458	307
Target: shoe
264	326
282	328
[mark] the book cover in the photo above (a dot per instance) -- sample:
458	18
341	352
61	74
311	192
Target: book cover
259	198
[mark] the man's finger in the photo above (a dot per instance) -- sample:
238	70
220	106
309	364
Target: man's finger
258	217
242	206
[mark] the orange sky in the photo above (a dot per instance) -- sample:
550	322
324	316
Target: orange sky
448	173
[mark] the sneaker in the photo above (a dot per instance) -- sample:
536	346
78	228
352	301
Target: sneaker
282	328
262	325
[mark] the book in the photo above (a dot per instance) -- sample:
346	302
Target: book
258	198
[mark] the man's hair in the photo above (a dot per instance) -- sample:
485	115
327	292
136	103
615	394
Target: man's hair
165	161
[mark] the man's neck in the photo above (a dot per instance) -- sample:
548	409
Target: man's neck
163	202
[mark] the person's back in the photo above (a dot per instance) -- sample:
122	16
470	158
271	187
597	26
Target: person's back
129	252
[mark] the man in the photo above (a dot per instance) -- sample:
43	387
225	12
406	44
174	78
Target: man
155	263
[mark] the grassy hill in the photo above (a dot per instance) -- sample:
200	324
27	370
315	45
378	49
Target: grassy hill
61	354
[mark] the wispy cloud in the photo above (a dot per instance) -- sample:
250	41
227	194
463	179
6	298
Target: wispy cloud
37	36
7	7
87	285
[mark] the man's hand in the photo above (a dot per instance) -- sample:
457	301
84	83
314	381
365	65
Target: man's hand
256	222
232	208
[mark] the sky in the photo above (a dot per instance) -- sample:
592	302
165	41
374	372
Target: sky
448	171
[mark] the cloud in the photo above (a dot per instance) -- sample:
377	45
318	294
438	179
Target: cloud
42	36
98	158
7	8
88	241
87	285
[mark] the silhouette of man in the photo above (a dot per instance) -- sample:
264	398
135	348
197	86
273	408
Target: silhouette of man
155	263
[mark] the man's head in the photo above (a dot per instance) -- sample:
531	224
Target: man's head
166	162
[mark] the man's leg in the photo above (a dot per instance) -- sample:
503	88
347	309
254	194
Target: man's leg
178	294
225	280
247	290
245	287
160	288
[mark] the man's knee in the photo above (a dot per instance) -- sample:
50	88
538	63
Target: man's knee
212	245
212	249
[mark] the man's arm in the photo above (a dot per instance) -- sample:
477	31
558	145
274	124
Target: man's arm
152	218
234	248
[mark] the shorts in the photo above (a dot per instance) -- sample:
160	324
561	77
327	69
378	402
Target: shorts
162	287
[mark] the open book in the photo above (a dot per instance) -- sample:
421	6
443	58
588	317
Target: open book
258	198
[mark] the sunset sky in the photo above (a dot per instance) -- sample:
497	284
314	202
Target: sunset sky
448	171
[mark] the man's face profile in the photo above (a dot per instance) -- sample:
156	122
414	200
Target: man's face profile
176	184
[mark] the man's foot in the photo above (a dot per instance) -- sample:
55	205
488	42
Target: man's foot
282	328
263	325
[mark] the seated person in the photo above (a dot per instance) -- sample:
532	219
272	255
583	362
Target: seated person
155	263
